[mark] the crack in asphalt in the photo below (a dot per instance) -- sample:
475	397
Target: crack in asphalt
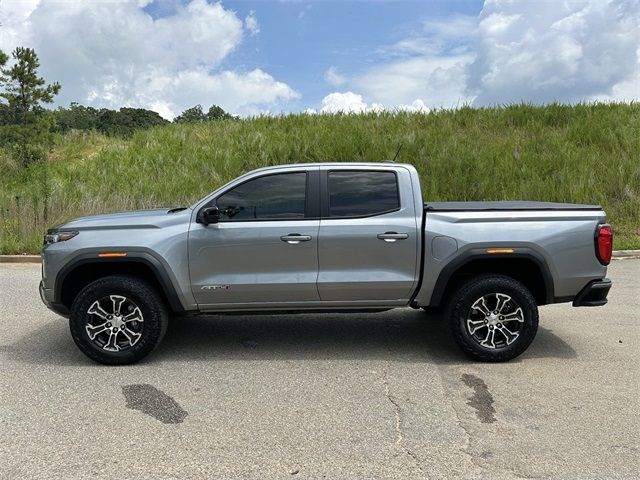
417	461
465	449
397	409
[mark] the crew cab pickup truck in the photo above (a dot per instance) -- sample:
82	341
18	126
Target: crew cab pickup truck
330	237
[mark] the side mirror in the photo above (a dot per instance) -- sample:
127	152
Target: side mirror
208	215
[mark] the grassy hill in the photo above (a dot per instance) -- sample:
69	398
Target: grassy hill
583	154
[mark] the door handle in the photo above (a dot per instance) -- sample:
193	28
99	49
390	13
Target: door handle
294	238
392	236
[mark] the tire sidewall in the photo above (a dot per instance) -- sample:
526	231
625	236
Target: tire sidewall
479	287
144	296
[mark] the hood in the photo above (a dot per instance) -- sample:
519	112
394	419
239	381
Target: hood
156	218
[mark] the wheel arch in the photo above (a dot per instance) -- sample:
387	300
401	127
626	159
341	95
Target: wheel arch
86	268
524	265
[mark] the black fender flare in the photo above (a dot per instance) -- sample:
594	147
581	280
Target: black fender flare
481	254
157	268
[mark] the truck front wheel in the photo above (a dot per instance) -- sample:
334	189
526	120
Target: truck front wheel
493	318
117	320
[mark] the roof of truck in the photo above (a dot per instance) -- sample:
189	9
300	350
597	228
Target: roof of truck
383	163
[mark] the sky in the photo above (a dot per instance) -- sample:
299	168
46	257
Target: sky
278	56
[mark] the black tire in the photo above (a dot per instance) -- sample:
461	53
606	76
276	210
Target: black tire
147	328
469	324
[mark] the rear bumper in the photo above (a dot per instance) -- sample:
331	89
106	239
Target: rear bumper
46	294
594	294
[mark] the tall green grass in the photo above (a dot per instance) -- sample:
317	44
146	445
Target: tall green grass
583	154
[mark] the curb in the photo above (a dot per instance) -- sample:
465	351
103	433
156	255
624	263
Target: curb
621	254
617	254
20	259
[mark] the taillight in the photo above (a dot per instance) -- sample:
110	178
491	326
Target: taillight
604	243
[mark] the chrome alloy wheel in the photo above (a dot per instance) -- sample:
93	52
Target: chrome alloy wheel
114	323
495	320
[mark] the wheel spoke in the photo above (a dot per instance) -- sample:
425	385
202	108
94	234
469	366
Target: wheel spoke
515	316
489	340
112	345
135	315
117	301
96	309
132	336
481	306
93	330
509	336
502	301
474	325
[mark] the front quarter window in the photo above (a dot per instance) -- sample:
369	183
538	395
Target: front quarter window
271	197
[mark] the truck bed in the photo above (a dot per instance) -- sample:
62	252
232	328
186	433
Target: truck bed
518	205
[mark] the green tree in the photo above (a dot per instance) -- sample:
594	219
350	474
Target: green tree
195	114
137	118
127	120
110	122
76	117
27	124
217	113
191	115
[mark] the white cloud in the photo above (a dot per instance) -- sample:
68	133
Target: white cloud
626	90
434	38
251	22
334	78
429	64
416	106
439	81
556	51
572	51
452	28
114	54
231	88
349	102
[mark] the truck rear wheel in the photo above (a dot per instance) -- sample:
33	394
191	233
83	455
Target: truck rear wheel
493	318
118	320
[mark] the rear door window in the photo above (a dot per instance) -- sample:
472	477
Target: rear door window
361	194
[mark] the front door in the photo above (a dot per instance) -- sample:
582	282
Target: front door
264	250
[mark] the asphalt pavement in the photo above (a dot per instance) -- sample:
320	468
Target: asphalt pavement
334	396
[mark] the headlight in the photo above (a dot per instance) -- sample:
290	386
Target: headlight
58	237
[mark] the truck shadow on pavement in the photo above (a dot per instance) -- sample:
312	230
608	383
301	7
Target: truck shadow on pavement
399	335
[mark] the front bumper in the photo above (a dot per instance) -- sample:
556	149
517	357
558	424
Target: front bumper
594	294
46	295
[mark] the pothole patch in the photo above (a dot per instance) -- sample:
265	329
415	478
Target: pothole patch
153	402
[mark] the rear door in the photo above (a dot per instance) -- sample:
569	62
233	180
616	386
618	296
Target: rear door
369	235
264	249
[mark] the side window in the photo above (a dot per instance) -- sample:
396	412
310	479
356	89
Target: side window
355	194
272	197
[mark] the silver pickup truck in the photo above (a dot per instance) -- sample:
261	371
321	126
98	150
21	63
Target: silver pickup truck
330	237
